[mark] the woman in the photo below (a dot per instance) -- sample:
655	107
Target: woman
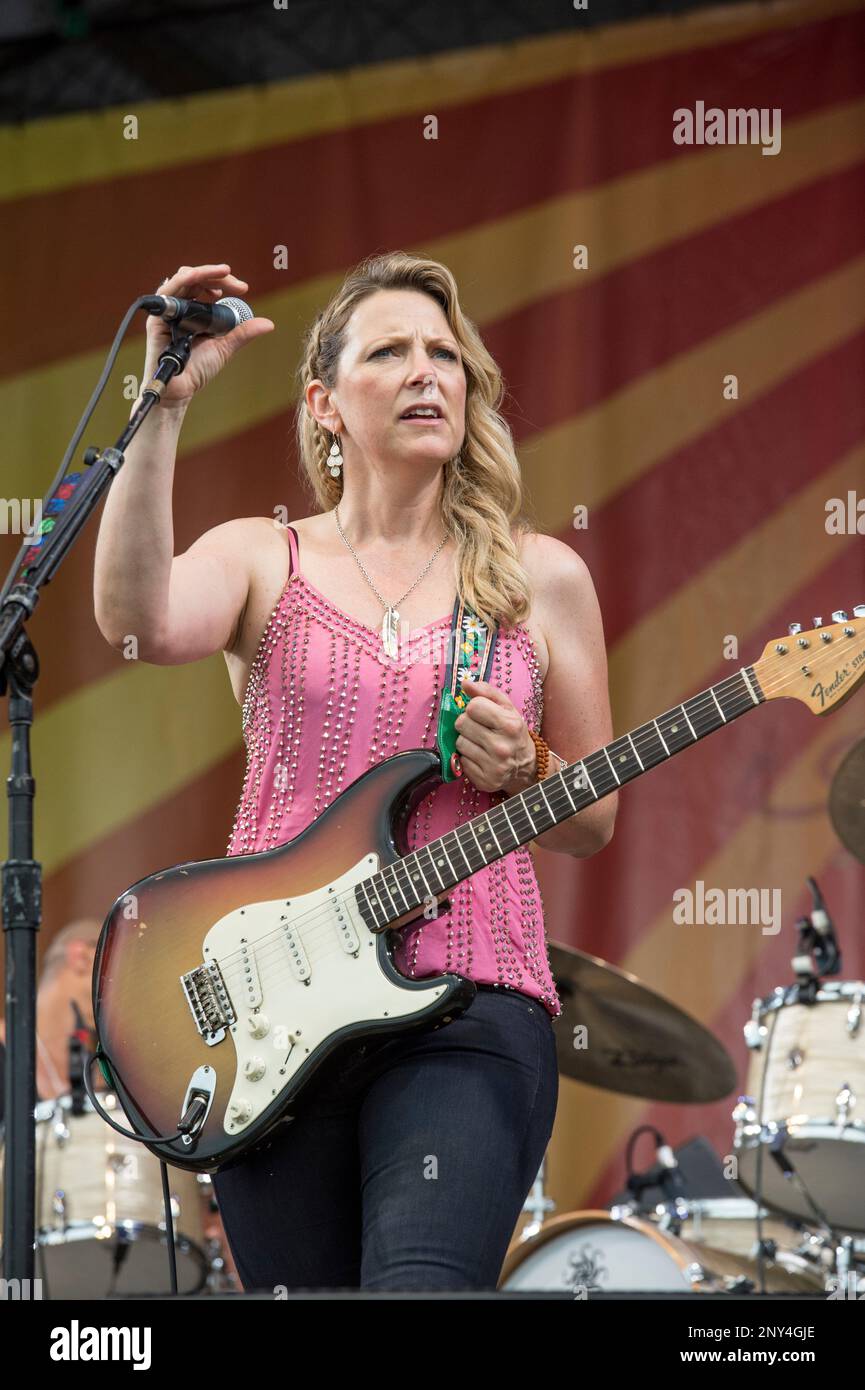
409	1158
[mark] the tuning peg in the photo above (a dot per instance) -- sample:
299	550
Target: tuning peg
816	622
793	628
859	610
839	616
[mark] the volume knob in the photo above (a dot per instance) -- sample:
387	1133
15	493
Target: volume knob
258	1025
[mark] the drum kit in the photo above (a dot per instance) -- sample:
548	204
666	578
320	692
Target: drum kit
794	1219
100	1225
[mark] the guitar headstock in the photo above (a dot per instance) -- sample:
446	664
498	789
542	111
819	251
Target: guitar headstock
821	667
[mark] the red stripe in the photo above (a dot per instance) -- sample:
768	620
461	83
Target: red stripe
173	832
485	165
707	495
561	354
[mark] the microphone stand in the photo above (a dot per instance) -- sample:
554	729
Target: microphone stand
21	873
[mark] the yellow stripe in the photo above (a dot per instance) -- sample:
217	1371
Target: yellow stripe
40	406
118	747
682	637
61	152
604	450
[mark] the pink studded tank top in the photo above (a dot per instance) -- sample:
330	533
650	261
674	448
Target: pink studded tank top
323	704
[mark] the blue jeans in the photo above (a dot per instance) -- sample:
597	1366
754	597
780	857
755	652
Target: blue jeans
408	1160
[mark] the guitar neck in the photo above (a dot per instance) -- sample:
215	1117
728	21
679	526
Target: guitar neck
422	876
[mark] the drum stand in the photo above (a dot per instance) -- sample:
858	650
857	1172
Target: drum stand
538	1203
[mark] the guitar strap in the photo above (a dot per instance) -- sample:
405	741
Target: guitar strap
470	652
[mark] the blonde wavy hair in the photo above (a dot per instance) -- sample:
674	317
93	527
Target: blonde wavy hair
483	500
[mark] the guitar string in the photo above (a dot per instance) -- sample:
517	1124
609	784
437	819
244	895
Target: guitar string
561	798
323	911
705	700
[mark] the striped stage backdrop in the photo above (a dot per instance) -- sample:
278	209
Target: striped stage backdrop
706	508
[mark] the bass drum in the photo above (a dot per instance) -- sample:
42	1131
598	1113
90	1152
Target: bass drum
100	1224
596	1252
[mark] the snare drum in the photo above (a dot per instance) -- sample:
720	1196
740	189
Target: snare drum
806	1097
100	1222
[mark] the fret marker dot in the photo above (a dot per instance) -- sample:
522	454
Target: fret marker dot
674	728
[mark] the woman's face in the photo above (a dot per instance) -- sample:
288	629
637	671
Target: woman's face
399	353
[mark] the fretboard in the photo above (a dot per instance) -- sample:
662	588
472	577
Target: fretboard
422	876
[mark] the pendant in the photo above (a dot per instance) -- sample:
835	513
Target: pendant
388	631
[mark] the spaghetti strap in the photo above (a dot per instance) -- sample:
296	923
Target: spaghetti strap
293	549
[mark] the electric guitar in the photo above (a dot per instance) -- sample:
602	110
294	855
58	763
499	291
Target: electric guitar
220	986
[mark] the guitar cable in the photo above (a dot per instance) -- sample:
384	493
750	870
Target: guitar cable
105	1066
101	1057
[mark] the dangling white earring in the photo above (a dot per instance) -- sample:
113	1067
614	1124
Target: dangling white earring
335	459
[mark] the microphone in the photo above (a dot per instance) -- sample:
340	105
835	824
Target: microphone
665	1172
670	1171
816	935
820	919
192	316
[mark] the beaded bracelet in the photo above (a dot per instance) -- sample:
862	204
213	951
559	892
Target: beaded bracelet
543	753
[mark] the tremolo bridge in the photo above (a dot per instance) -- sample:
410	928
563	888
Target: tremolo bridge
208	999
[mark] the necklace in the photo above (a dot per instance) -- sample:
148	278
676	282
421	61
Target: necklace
391	611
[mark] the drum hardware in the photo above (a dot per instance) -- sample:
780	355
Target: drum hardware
219	1278
538	1203
100	1209
817	951
777	1152
854	1013
589	1251
736	1225
844	1102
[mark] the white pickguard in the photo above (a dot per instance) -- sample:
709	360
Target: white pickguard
266	953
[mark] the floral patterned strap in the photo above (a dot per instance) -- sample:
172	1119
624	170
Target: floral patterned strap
470	653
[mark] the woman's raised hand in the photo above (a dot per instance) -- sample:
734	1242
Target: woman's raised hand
208	355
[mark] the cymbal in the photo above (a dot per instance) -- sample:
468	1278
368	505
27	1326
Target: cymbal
633	1040
847	801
